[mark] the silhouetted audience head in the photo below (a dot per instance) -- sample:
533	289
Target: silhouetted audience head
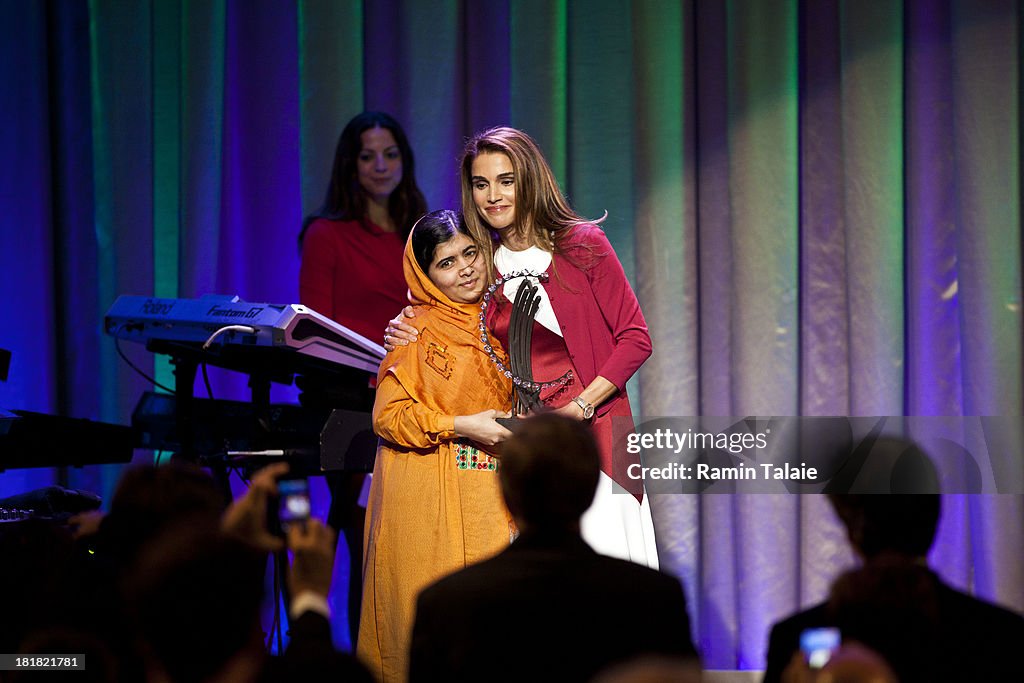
891	604
150	499
903	524
549	472
194	599
653	669
168	588
147	502
101	666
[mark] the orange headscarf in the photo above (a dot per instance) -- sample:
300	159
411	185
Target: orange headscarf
447	369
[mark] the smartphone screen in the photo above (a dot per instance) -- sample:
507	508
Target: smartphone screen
293	503
818	644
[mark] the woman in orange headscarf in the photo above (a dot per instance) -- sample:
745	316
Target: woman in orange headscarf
435	505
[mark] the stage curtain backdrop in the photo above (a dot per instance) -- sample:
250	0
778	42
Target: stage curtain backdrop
818	203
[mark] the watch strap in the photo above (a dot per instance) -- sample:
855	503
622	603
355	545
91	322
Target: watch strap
587	408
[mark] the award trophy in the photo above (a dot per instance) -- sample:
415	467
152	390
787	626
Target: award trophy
526	391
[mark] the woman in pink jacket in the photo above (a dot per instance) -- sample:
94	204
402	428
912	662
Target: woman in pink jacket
589	335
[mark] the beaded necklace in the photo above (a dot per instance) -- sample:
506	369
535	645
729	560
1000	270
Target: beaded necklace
527	385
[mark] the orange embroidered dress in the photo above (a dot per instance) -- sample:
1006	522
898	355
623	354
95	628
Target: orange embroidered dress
435	504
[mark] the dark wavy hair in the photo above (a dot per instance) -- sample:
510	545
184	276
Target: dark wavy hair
437	227
346	199
891	522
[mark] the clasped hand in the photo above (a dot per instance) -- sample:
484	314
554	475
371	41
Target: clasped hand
482	427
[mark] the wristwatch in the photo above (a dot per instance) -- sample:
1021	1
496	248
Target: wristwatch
587	408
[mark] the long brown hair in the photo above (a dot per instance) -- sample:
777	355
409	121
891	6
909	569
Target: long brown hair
540	207
346	199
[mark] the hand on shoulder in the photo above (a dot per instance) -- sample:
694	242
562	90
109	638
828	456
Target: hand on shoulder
400	331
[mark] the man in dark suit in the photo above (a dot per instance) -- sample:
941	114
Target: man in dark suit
548	607
894	604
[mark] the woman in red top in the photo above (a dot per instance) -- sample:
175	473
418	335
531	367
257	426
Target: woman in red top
352	246
589	335
351	271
